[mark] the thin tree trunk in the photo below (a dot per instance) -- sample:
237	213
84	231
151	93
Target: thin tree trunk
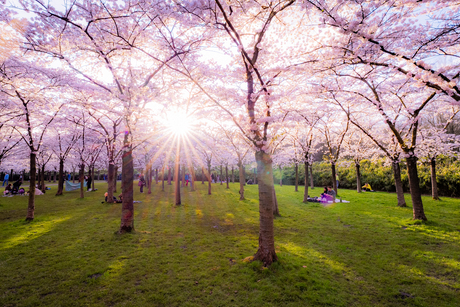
176	182
221	175
54	177
33	171
398	184
49	176
305	194
43	186
311	177
434	183
150	179
163	179
209	178
281	175
98	174
226	176
296	177
110	182
276	211
73	174
242	179
183	176
61	178
358	177
266	252
82	179
156	176
192	178
92	181
202	175
416	195
233	175
39	179
169	175
127	189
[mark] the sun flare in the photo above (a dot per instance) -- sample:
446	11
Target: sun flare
178	123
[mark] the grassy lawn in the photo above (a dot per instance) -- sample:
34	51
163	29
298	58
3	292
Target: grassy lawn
364	253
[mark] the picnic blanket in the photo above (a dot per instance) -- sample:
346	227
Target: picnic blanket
69	186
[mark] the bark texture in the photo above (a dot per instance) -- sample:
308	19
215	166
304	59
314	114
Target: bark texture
33	171
416	195
305	194
61	178
311	177
334	182
127	189
398	184
434	183
358	177
242	179
266	252
110	182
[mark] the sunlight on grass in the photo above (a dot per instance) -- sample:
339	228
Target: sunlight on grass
438	259
415	272
31	232
199	213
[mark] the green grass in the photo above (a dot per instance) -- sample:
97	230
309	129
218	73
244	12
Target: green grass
364	253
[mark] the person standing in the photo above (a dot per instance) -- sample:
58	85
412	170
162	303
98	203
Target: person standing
337	180
141	183
5	179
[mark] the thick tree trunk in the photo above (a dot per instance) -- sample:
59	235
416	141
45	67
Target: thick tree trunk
358	178
305	193
226	176
209	178
110	182
276	211
115	177
434	183
281	175
176	182
127	189
334	182
296	177
311	177
82	179
33	171
169	175
61	178
266	252
242	179
416	195
398	184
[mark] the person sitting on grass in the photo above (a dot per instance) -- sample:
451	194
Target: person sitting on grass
367	187
331	194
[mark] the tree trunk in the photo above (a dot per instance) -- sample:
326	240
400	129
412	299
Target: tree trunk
183	176
311	177
156	176
61	178
49	176
242	179
202	175
305	194
358	177
33	171
209	178
92	181
417	205
73	175
226	175
110	182
192	178
43	186
281	175
221	175
127	189
98	174
169	175
233	175
54	177
334	182
115	177
163	179
150	179
434	183
82	179
398	184
39	179
296	177
266	252
276	211
176	182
